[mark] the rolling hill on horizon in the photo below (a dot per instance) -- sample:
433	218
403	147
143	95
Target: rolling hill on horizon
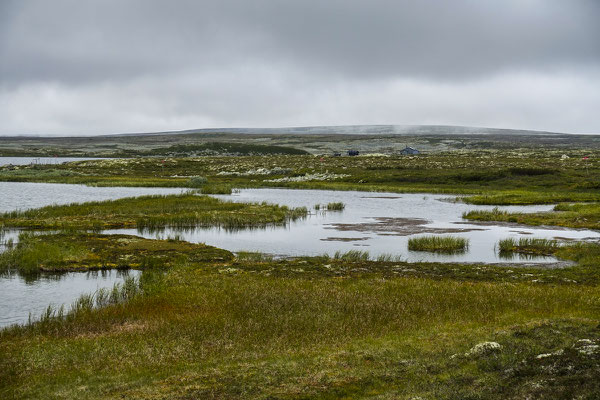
358	130
387	139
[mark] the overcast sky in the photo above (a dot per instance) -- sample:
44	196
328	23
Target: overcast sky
81	67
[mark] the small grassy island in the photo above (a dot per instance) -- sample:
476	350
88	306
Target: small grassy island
62	252
529	246
440	244
152	212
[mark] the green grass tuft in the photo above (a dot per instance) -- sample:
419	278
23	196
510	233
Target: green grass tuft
196	181
352	256
528	246
440	244
336	206
216	189
255	256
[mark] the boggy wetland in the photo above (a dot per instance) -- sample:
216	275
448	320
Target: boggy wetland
274	273
299	200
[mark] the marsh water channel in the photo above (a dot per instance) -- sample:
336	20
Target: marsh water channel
42	160
22	296
380	223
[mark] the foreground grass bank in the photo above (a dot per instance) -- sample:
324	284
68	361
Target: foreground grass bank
342	327
152	212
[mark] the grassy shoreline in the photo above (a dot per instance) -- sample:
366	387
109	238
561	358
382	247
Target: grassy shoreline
316	327
531	177
152	212
578	216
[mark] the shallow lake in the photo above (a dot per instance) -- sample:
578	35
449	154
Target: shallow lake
24	195
380	223
41	160
20	297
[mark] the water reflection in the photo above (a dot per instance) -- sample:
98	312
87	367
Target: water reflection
25	295
181	231
43	160
35	277
25	195
522	257
380	223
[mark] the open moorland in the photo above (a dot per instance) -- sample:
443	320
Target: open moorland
385	139
202	322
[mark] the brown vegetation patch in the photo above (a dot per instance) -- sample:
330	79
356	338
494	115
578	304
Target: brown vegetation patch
381	197
117	329
344	239
388	226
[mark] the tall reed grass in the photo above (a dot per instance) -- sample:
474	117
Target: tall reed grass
528	245
103	297
336	206
186	210
216	189
352	256
441	244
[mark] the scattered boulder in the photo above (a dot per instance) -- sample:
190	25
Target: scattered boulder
484	349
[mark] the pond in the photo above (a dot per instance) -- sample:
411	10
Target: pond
24	195
380	223
21	297
41	160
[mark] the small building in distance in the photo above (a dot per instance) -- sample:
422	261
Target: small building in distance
409	151
353	152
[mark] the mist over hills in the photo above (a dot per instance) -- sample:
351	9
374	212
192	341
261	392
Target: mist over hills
361	130
368	139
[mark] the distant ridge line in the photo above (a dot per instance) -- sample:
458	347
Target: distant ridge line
353	130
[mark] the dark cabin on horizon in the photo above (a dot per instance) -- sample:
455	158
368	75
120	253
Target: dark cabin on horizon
353	152
409	151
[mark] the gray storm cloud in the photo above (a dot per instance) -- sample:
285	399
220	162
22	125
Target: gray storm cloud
89	67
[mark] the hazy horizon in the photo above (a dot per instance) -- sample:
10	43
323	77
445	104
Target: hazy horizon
330	129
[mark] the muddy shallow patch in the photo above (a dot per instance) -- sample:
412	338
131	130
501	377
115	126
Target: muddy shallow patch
344	239
389	226
518	225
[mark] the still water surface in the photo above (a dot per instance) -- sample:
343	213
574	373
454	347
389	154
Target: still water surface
380	223
41	160
24	195
20	297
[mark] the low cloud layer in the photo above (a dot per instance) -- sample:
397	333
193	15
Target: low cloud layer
72	67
